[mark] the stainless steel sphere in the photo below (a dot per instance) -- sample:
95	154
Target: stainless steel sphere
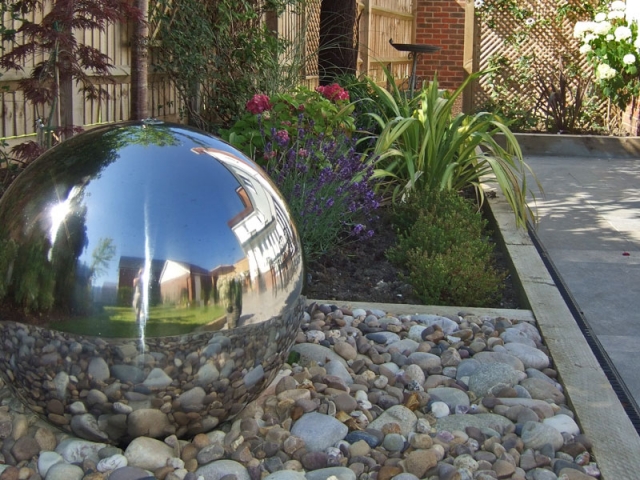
150	282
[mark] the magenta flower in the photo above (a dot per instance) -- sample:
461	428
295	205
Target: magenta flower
333	92
258	104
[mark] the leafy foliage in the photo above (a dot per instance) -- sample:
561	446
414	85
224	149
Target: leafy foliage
302	109
611	44
364	101
424	146
445	249
219	54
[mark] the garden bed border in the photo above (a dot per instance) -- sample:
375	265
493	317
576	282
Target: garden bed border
598	410
588	146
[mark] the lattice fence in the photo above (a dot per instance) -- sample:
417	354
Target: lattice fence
532	45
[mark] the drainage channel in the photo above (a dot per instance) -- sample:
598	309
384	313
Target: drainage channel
626	399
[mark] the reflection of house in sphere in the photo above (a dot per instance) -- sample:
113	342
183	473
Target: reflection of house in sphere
171	247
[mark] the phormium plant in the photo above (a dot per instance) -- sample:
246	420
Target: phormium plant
424	146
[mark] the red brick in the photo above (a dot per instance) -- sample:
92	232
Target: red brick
441	23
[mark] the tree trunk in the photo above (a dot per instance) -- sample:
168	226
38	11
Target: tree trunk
140	64
337	54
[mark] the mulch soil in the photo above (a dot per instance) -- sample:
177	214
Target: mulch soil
360	272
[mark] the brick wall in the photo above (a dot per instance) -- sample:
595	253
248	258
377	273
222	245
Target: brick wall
631	119
441	23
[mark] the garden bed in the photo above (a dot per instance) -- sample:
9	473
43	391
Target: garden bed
361	272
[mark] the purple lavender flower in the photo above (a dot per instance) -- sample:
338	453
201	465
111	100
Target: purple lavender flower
282	138
327	185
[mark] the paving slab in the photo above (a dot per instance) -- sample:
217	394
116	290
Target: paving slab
589	224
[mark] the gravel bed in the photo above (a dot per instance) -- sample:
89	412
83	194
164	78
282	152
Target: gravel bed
365	395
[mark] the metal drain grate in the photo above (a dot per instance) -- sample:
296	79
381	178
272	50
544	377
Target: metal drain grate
626	399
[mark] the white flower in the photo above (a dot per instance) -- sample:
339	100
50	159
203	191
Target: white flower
600	17
618	5
588	37
615	14
629	59
636	43
581	28
478	3
585	48
622	33
529	21
601	28
609	37
605	72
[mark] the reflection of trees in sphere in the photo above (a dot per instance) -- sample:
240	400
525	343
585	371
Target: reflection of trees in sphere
154	263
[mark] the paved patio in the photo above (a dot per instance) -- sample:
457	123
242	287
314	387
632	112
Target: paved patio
589	224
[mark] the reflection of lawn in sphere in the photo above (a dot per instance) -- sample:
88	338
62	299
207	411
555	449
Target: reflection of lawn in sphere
163	321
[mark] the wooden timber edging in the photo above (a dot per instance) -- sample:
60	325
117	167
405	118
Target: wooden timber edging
587	146
598	410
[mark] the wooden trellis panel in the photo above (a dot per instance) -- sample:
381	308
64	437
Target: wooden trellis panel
536	34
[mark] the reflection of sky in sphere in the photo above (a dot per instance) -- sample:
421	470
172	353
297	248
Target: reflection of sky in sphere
183	200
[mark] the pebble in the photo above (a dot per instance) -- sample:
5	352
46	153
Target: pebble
536	435
563	423
491	378
319	431
148	453
372	395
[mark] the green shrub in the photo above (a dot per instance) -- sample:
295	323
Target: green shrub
446	251
270	121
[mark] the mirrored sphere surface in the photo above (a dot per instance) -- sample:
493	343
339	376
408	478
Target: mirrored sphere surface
150	280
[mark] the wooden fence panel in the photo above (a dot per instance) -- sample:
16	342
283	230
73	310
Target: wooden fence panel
19	117
379	21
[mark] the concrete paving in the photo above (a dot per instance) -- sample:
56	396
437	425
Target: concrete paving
589	224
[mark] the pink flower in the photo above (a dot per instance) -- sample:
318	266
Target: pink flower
333	92
282	138
258	104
